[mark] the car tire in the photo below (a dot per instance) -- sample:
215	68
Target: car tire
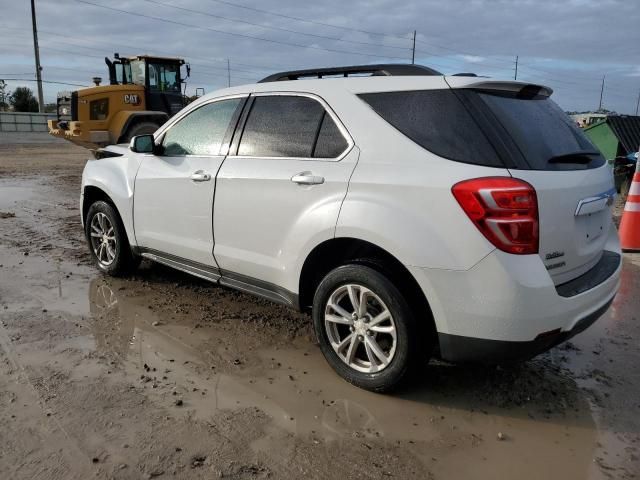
384	354
108	242
141	128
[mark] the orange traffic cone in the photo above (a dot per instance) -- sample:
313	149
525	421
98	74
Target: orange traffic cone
630	224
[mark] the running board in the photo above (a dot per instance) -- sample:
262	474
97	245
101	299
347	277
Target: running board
196	269
259	288
226	278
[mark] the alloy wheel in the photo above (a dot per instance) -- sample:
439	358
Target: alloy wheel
360	328
103	239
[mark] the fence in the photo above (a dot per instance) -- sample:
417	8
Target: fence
24	122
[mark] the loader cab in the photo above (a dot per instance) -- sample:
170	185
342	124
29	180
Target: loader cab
161	78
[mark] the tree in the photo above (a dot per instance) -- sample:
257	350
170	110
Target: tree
23	100
4	96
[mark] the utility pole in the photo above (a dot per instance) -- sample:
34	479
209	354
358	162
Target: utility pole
601	93
228	73
37	52
413	50
515	76
638	103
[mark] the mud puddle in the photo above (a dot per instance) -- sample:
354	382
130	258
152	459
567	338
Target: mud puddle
205	365
162	374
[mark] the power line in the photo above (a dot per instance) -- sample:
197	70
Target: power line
162	54
314	22
481	64
200	70
297	32
242	35
45	81
299	19
459	52
559	72
166	53
448	57
68	52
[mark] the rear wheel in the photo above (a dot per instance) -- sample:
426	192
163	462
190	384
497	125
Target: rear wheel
365	327
108	241
140	128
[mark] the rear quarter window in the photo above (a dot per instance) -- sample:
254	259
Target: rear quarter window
437	121
331	143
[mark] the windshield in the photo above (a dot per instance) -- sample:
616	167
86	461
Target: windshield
545	135
164	77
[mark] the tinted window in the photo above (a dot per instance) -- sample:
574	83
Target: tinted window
202	131
281	126
163	77
437	121
331	143
542	132
99	109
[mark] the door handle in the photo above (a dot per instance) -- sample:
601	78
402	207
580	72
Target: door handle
200	176
305	178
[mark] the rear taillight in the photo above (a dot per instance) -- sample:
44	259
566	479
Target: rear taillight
504	209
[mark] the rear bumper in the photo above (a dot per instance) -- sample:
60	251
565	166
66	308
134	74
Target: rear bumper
507	307
458	349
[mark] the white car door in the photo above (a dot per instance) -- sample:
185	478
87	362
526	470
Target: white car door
279	191
173	198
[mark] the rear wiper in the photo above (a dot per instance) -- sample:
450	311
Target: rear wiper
581	157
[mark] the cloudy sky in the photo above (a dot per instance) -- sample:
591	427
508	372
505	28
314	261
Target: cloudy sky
566	44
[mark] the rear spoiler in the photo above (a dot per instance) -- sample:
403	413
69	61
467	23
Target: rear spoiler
521	88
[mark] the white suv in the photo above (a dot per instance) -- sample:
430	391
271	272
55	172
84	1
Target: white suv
414	214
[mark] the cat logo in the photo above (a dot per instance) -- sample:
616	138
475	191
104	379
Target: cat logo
132	99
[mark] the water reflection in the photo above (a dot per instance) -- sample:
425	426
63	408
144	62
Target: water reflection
535	405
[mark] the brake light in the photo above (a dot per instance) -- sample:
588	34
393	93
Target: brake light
504	209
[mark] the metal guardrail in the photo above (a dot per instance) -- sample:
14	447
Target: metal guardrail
25	122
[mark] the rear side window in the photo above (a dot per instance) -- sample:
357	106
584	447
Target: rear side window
437	121
290	126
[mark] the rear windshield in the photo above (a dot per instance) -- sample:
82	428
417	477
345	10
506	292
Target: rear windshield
464	125
547	138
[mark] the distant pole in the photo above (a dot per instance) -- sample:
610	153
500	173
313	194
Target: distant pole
228	73
37	51
601	93
515	75
638	103
413	50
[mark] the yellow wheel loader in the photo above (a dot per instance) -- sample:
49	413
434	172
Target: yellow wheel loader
143	93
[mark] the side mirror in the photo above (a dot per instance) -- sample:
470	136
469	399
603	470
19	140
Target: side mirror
142	144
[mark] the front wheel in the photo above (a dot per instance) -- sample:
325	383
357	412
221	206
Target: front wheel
108	241
365	328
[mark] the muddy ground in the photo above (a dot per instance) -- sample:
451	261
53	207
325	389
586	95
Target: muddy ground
162	375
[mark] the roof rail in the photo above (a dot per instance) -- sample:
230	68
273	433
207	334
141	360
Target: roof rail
375	70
